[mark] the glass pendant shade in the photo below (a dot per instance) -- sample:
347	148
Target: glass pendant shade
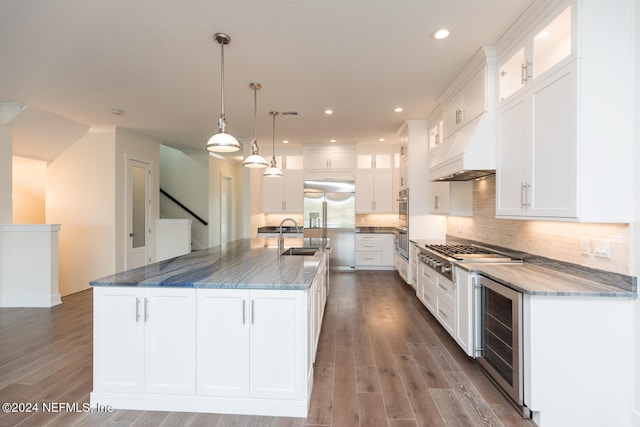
222	142
255	160
273	171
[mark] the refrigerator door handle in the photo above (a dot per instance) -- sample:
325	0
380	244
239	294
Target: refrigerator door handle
324	219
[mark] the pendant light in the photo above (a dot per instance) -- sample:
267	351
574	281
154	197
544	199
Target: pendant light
222	142
273	171
255	160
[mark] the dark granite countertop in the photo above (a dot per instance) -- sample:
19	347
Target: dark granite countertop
376	230
276	229
241	264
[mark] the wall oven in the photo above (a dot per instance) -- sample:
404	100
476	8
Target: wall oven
403	208
500	350
402	238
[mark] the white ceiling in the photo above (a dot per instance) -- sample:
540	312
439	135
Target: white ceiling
157	61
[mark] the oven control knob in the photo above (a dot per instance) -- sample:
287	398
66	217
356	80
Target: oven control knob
437	263
445	269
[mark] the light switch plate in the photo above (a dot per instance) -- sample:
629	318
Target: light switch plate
602	248
585	246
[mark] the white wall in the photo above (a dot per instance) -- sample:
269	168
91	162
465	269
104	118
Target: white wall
85	193
81	196
6	152
29	182
186	177
217	169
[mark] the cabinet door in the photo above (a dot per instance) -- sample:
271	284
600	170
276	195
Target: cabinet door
223	342
387	250
382	189
364	191
473	97
342	160
511	158
278	348
272	195
512	74
170	341
439	197
451	116
552	190
118	340
293	192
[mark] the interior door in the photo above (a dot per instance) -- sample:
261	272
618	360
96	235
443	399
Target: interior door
226	210
138	223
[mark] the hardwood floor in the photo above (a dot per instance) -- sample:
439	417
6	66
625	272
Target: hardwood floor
383	360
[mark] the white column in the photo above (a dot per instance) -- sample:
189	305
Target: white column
6	175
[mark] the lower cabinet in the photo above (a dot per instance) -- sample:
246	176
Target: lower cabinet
374	251
240	351
262	334
144	340
426	287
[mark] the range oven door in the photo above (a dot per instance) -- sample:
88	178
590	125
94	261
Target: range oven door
500	333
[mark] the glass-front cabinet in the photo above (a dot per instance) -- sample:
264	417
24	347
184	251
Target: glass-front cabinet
550	46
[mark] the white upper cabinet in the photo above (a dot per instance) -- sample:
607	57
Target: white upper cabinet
374	180
283	194
465	105
329	159
549	46
555	159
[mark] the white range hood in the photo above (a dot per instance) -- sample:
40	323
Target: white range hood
469	153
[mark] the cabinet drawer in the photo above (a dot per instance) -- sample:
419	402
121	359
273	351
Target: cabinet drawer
368	245
446	314
445	289
367	237
368	258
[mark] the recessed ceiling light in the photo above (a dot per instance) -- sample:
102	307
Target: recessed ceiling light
380	139
328	111
332	140
285	142
398	109
440	34
117	112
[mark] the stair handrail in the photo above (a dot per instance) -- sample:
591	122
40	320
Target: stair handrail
177	202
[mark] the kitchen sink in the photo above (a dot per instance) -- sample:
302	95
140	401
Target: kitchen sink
300	251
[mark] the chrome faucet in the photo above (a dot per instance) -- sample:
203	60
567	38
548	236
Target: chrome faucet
281	237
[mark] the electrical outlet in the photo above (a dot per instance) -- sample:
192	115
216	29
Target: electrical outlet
602	248
585	246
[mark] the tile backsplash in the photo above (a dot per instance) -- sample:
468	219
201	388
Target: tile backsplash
551	239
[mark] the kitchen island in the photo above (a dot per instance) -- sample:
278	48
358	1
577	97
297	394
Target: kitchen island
229	329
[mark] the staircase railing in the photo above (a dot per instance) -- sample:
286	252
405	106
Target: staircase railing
186	209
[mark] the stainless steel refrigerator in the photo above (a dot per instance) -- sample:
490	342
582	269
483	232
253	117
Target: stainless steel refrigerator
330	212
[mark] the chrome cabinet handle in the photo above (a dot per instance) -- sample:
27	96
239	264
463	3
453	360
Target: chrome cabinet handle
524	199
244	317
137	309
443	314
525	72
146	309
253	315
437	202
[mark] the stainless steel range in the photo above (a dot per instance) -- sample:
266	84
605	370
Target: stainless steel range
441	257
493	317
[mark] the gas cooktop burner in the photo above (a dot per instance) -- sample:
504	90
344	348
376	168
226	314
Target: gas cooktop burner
466	252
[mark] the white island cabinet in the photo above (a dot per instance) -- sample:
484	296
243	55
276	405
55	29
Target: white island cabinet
234	336
262	334
138	332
